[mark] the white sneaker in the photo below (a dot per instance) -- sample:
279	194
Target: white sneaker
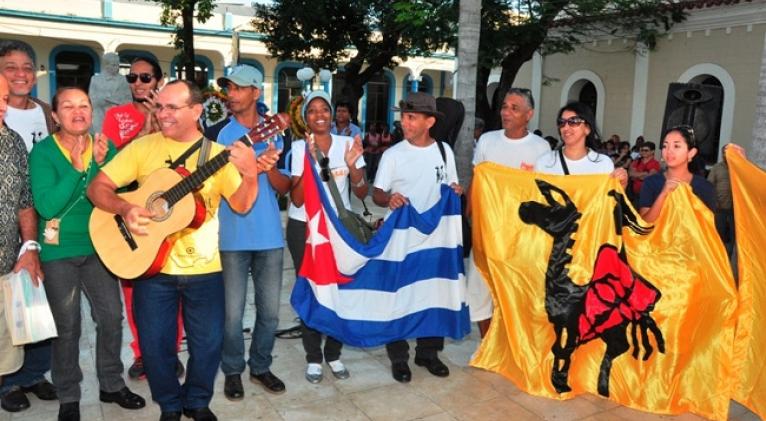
338	370
314	373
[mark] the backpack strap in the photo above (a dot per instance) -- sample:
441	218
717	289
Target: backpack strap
563	162
440	144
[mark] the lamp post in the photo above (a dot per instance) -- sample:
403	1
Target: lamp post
305	75
325	76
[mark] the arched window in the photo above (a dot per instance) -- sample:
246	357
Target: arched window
426	84
378	98
72	66
588	95
203	70
288	85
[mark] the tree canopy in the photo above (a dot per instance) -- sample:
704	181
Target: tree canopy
182	14
360	37
378	33
512	31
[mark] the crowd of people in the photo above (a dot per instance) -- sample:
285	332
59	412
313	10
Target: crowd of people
58	169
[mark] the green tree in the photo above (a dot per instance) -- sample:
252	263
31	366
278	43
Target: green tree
512	31
362	36
182	14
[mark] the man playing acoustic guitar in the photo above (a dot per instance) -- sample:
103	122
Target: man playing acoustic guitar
192	273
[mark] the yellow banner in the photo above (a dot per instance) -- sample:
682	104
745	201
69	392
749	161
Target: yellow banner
749	195
591	299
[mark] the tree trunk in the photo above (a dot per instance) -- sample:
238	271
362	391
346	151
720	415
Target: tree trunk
483	107
188	37
469	28
758	155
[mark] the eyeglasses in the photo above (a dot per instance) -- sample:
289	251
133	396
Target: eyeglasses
158	108
571	121
133	77
324	164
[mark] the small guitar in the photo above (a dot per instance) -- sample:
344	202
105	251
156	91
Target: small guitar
166	192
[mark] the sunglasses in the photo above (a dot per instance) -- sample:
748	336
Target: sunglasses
324	173
571	121
145	77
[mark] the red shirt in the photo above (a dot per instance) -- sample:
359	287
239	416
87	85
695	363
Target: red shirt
641	166
122	123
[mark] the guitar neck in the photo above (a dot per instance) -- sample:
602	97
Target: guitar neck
270	127
195	179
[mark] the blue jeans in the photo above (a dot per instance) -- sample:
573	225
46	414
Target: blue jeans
37	361
265	268
155	308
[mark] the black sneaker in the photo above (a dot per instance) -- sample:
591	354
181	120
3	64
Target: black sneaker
136	370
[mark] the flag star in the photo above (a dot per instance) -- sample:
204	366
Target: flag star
315	238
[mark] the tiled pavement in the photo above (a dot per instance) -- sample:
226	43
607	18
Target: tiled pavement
369	394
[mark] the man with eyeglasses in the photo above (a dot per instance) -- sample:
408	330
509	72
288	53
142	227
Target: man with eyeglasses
512	146
123	123
251	244
191	276
643	167
27	116
31	119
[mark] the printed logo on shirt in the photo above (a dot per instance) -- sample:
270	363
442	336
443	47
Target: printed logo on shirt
441	175
36	137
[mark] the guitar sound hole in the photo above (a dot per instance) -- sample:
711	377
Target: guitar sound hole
159	206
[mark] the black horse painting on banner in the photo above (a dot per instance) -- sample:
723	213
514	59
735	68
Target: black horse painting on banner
615	298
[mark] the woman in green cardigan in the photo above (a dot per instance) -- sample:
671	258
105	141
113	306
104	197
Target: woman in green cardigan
61	166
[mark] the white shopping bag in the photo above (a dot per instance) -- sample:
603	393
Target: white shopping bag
26	309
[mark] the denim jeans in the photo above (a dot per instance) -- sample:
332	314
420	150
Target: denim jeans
265	268
37	361
155	306
65	282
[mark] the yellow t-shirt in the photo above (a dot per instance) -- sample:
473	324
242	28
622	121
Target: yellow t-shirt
195	251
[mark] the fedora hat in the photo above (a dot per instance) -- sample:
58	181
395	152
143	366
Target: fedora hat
419	102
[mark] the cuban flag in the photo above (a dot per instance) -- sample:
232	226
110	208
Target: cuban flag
407	282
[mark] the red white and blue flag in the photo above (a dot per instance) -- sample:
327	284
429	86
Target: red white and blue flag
407	282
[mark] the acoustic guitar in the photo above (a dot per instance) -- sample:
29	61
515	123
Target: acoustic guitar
169	194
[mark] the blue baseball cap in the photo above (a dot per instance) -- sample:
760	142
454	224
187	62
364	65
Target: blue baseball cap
243	75
313	95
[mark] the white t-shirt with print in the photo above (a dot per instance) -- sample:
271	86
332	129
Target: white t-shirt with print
338	168
416	172
29	123
496	147
592	163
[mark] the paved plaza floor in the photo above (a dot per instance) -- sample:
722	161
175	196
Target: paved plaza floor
369	394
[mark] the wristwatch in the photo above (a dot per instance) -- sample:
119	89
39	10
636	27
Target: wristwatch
29	245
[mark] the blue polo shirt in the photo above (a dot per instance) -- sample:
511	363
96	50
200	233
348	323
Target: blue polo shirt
261	227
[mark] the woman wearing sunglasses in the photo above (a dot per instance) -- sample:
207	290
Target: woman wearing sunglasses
123	123
342	160
679	147
577	128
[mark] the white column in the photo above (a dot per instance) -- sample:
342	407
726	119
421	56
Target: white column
640	82
536	88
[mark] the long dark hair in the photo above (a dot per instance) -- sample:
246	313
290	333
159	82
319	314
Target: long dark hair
593	140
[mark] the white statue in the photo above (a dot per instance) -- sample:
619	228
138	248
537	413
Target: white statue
107	89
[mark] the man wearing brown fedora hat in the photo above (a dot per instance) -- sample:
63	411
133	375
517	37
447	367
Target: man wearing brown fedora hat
413	172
